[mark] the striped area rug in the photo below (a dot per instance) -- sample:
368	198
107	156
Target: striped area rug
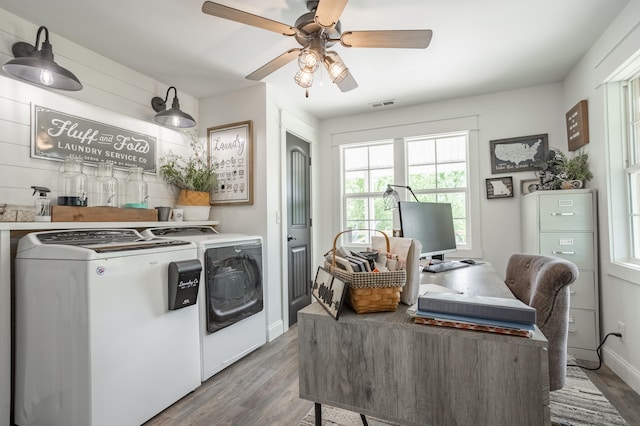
578	403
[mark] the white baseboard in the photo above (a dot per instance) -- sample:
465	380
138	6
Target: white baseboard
274	330
627	372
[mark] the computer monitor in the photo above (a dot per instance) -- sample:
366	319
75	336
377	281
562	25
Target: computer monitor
431	224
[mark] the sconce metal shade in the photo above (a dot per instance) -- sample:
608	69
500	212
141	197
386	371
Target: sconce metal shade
38	67
391	197
172	117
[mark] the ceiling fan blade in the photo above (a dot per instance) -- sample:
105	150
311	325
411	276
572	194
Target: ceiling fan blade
414	39
236	15
274	64
329	11
349	83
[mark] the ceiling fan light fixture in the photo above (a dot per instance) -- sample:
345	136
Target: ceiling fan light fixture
336	68
309	59
173	117
38	67
304	78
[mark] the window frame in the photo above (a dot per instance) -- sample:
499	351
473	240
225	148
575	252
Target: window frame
621	262
473	190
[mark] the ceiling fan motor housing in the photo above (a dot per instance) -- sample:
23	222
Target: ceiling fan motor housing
307	27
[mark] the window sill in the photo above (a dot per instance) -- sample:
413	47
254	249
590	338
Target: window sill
625	271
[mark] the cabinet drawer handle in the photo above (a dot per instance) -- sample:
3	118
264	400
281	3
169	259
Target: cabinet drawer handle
562	252
572	292
571	320
563	214
573	332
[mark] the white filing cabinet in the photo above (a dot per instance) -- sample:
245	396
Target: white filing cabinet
563	223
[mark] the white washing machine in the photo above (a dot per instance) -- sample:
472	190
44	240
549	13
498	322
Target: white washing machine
96	341
231	298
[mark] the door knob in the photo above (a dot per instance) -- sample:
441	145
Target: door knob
289	238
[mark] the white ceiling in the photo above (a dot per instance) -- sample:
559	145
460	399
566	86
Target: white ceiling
478	46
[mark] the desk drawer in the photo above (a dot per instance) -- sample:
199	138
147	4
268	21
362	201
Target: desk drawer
576	247
582	292
566	212
582	329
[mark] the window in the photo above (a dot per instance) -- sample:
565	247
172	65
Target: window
632	164
367	171
437	171
434	166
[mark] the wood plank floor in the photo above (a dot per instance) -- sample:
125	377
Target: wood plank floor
262	389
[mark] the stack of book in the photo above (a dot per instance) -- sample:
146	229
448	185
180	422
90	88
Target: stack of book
479	313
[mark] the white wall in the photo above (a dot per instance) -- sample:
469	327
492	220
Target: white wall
501	115
619	286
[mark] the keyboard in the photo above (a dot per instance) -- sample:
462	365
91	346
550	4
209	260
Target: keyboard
444	266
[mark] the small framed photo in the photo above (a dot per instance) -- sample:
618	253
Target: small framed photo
329	291
500	187
517	154
528	185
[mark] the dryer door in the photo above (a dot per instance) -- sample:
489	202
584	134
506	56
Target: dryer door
233	284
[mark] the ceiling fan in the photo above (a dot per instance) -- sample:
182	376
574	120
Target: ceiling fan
316	31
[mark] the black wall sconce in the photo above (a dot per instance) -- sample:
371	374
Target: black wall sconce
37	66
172	117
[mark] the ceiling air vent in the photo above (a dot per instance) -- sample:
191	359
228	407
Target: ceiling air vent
383	104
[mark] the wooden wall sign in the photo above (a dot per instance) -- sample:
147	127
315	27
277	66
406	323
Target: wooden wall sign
329	291
55	135
578	125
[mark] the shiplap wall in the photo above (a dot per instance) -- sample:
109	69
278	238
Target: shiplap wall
112	94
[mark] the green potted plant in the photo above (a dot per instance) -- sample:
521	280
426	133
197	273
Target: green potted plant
577	169
193	176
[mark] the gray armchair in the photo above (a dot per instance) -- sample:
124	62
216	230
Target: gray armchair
542	282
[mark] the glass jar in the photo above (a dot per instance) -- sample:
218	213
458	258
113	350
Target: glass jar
73	183
106	186
135	190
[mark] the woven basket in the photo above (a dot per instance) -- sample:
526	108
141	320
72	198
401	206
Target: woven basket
192	198
370	291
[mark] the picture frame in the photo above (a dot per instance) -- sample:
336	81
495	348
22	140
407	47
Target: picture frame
501	187
329	291
517	154
525	183
231	154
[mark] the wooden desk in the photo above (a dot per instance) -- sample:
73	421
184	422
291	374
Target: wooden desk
384	365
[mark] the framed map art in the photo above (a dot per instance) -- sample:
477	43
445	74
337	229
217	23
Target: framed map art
499	187
517	154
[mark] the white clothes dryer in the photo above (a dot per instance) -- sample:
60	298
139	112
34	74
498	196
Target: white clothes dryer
231	297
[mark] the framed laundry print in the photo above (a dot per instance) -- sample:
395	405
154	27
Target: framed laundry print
231	154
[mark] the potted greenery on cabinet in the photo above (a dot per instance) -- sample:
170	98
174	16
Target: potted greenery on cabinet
193	176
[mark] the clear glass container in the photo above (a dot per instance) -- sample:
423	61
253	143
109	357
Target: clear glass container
136	190
106	186
73	183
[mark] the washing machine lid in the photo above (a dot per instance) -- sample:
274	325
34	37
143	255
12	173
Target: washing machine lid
99	240
204	236
182	231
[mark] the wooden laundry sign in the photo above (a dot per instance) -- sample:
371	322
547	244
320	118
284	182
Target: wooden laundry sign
57	135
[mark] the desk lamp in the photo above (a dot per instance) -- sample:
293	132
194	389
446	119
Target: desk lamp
391	197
